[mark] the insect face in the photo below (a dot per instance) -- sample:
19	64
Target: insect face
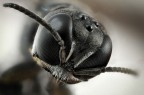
71	45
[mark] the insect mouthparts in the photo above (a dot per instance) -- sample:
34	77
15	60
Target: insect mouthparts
58	72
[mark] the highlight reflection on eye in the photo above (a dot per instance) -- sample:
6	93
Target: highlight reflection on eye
89	28
96	24
83	17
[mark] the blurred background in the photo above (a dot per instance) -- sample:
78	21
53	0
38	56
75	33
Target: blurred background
122	19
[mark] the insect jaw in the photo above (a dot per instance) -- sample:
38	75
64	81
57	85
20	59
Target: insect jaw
59	72
63	75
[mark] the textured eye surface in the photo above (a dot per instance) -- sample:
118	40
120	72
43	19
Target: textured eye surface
46	47
89	28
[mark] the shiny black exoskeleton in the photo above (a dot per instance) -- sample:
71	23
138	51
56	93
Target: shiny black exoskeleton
81	35
70	44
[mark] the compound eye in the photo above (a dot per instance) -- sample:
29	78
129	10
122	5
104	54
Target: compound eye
83	17
89	28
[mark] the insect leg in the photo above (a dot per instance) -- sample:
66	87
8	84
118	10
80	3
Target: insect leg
56	36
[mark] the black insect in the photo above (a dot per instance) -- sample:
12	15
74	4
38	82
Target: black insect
71	45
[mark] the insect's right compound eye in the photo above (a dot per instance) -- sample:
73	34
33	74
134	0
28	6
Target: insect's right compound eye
46	46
